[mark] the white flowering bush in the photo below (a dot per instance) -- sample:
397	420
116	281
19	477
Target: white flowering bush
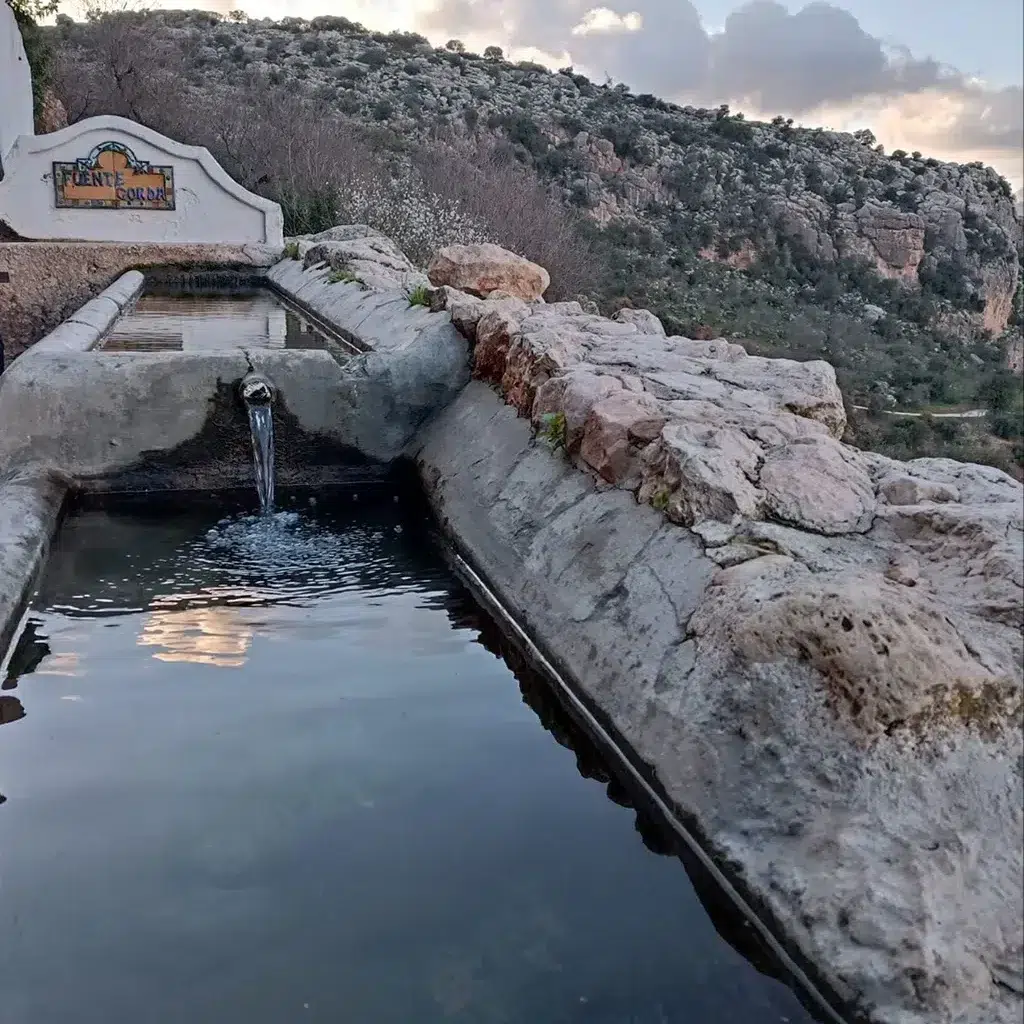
397	202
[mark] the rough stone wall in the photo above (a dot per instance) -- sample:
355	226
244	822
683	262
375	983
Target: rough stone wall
47	281
791	705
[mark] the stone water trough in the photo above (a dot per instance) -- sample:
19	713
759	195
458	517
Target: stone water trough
812	654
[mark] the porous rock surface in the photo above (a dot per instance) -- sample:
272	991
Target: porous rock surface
816	649
361	255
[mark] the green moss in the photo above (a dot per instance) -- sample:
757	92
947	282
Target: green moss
659	500
291	250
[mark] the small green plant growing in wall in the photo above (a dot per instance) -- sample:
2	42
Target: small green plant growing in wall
420	296
659	500
552	429
343	277
291	251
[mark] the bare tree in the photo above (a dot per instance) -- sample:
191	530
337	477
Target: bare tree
296	149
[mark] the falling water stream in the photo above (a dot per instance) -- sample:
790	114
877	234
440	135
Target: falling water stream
261	425
258	395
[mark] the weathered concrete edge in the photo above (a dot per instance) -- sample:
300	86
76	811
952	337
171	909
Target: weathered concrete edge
410	362
31	503
461	478
89	323
370	320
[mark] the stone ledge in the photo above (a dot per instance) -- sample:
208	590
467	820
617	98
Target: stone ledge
86	326
30	506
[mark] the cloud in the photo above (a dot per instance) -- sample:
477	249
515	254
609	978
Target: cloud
964	123
775	60
764	60
601	19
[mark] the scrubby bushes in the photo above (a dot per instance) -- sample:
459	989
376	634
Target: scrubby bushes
326	169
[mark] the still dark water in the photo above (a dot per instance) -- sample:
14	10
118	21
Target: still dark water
262	771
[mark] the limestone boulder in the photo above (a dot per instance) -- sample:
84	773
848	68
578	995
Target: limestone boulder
371	259
695	473
485	268
805	389
642	319
573	395
467	310
903	489
343	233
494	333
534	357
818	485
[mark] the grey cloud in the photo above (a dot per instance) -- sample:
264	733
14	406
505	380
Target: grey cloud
764	58
992	119
796	62
527	22
669	55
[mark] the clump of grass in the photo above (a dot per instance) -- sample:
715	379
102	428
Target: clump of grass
343	277
659	500
420	296
552	429
291	251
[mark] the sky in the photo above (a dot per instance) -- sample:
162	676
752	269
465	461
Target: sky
941	76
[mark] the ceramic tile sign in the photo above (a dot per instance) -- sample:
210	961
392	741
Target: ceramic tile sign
111	177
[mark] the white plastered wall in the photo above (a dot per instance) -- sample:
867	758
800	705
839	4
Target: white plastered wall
209	205
15	84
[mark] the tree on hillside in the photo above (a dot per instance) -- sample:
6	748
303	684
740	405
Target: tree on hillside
455	46
494	53
1000	391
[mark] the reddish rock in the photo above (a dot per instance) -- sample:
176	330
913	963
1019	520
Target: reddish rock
494	333
532	358
616	429
486	268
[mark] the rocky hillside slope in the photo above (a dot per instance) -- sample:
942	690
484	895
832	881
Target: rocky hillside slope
734	190
902	271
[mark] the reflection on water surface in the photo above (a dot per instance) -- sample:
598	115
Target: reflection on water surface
265	769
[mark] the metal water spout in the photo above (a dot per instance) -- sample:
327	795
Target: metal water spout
258	393
257	389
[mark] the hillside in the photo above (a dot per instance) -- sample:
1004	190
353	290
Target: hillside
902	271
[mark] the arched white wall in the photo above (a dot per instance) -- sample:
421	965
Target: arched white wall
15	84
209	205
